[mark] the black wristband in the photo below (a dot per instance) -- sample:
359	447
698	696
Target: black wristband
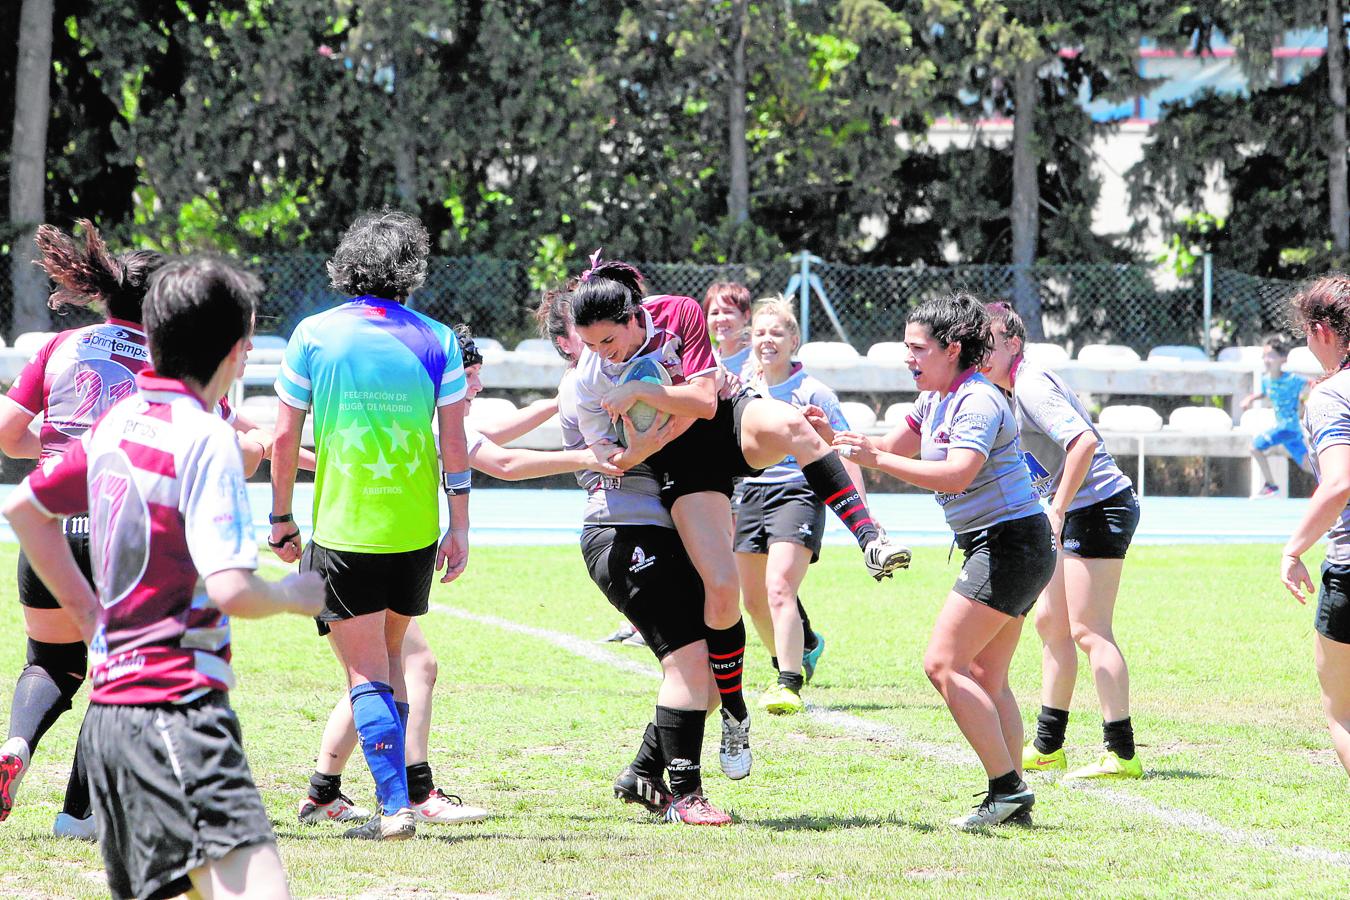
277	520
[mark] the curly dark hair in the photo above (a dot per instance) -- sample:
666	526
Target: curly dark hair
609	292
85	273
957	319
382	254
1326	301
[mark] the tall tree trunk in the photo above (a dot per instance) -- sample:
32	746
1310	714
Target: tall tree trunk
1336	171
28	163
1025	212
738	197
405	131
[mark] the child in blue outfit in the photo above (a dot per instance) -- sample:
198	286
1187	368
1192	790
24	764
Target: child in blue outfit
1284	390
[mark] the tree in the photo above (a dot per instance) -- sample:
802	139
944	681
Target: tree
27	162
1339	216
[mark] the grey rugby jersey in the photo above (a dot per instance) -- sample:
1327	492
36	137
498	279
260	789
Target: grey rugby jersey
1050	415
801	390
975	415
1326	423
633	499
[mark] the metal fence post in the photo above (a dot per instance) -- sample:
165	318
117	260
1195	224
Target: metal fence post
1206	336
804	295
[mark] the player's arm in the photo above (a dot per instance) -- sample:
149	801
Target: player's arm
641	445
520	464
522	422
40	535
902	440
696	399
946	476
16	441
453	553
1324	507
285	537
241	594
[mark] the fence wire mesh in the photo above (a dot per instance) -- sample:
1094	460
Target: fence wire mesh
1139	306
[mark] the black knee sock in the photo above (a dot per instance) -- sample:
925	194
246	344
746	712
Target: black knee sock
792	680
420	782
1050	727
45	688
726	654
680	733
1005	784
649	762
832	486
808	636
1119	737
77	803
324	788
774	660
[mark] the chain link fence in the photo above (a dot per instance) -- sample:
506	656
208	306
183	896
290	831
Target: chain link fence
1139	306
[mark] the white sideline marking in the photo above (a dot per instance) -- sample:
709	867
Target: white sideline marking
945	753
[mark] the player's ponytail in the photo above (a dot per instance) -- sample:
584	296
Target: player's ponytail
1002	313
85	273
957	319
609	291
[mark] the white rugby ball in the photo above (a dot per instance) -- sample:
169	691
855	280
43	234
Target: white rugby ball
643	415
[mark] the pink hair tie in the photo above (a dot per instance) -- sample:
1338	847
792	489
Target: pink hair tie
595	264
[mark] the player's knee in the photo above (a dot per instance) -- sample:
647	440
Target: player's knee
1088	637
422	668
1053	630
781	593
63	664
939	670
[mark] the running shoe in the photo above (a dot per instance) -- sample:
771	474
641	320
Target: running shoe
999	809
734	754
882	556
1109	765
1034	760
1269	490
340	810
446	809
67	826
622	633
811	658
401	826
13	763
630	787
694	809
781	700
635	640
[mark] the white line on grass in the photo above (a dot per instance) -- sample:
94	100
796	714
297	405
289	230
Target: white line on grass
944	753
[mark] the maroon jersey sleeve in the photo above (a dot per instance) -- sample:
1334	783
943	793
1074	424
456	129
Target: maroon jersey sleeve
30	389
61	485
696	352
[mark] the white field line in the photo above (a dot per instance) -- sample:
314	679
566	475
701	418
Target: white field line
945	753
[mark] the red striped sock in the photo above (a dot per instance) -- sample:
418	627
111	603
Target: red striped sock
833	487
726	655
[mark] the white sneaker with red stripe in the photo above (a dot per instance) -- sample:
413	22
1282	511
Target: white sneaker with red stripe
446	809
13	763
340	810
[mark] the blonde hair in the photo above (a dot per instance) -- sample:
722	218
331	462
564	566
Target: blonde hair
781	307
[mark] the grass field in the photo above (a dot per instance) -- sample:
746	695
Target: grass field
1243	793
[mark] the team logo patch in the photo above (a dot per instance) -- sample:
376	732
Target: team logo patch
1072	544
641	560
805	529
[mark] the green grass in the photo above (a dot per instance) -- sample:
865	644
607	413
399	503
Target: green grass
1225	708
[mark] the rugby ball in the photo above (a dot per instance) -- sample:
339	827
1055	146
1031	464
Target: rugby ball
643	415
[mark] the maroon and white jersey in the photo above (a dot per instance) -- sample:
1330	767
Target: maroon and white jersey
76	376
677	338
161	477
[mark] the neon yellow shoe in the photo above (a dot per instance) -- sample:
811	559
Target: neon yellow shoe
1034	760
781	700
1108	765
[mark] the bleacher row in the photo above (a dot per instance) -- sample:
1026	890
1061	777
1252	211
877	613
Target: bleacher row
1098	369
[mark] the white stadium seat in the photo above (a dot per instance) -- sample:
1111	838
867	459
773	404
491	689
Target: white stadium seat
1177	353
1302	361
491	348
490	409
536	345
1249	355
1045	354
1200	418
887	353
829	354
32	341
860	416
1129	418
269	342
896	413
1104	354
1257	419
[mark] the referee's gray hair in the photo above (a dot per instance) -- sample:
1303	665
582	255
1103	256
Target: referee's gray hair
382	254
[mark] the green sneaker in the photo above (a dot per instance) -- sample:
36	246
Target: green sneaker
781	700
810	658
1108	765
1034	760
